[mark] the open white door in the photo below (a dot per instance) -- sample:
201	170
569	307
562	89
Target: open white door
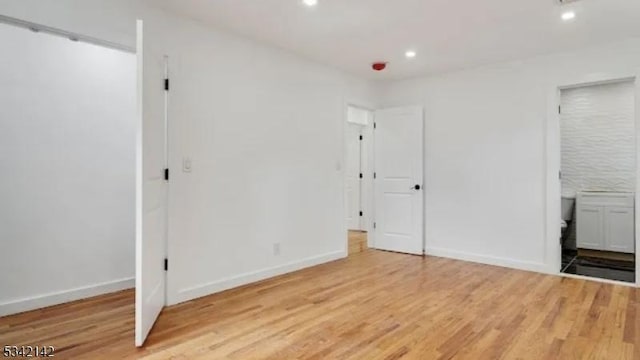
399	180
354	133
151	187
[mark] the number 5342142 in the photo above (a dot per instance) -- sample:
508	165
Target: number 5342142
11	351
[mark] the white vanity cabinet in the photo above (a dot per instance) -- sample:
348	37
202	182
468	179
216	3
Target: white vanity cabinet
606	221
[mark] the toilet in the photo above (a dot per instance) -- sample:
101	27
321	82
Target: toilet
568	203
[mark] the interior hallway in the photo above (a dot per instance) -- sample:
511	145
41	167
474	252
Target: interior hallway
376	305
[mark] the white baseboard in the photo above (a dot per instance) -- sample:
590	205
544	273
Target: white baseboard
248	278
489	260
61	297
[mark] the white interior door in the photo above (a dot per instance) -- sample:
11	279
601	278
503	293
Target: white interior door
399	180
353	176
151	187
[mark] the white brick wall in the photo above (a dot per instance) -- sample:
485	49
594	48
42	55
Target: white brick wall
598	138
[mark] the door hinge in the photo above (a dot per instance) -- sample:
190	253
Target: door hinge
559	109
361	137
361	213
560	175
374	225
166	174
166	84
361	176
166	264
375	125
375	175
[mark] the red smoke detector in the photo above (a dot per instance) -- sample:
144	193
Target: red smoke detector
379	66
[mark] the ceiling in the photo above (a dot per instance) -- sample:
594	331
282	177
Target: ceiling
447	35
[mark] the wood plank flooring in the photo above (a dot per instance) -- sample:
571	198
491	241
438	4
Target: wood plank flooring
357	242
375	305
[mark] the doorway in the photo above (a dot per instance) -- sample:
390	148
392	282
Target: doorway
358	177
598	180
67	146
398	185
86	145
384	161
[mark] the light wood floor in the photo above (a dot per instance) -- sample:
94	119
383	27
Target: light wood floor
375	305
357	242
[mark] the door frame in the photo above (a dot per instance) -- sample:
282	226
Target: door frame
552	183
366	187
362	219
167	139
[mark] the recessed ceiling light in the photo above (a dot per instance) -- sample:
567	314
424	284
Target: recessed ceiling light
410	54
310	3
569	15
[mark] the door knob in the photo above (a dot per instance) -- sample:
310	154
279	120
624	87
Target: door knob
417	187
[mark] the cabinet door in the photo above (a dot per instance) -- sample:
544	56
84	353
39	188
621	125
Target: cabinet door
619	229
590	227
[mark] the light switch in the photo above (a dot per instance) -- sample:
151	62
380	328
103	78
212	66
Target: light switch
186	165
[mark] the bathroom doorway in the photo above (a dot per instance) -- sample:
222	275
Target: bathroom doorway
598	175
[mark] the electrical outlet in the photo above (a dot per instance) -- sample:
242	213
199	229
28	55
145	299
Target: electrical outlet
276	249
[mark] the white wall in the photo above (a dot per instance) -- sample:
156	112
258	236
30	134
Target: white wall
485	151
67	120
264	130
598	138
